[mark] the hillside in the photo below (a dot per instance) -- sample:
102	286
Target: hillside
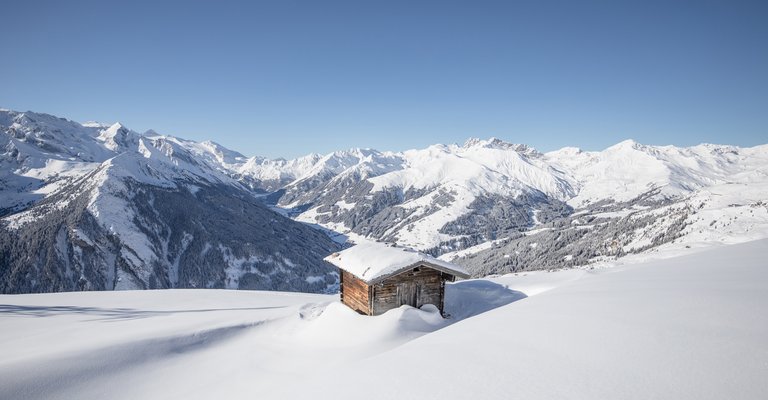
690	327
96	207
498	207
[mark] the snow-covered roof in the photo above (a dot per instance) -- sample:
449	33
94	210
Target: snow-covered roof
373	261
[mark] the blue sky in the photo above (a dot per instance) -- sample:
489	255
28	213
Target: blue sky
285	78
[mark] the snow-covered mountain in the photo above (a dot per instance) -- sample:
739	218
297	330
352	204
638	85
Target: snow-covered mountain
498	207
92	207
489	205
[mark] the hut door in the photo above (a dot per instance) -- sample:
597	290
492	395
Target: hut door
408	293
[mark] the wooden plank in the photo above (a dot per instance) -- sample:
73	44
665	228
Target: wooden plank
355	293
424	284
370	300
419	286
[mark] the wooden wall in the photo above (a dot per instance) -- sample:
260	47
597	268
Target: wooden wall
421	286
355	293
416	287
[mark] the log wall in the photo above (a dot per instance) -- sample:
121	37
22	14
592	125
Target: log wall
417	287
355	293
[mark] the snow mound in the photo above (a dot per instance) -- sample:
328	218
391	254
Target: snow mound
200	343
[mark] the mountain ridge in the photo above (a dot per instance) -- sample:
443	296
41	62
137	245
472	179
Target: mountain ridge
122	210
487	203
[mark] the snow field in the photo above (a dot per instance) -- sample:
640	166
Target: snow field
196	343
689	327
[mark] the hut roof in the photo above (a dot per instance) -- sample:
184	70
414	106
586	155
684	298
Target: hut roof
373	261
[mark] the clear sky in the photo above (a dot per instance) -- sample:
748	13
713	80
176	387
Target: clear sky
285	78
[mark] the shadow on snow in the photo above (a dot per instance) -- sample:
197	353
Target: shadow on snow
469	298
107	314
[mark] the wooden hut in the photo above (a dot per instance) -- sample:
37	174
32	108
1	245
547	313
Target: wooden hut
376	277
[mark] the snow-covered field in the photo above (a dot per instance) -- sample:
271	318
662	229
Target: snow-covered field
689	327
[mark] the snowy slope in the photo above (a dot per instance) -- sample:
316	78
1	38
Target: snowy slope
690	327
718	214
686	328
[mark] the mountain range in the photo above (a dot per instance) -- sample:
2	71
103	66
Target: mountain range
94	207
99	207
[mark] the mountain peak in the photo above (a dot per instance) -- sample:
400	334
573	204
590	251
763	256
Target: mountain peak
492	142
496	143
626	144
116	129
96	124
116	137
